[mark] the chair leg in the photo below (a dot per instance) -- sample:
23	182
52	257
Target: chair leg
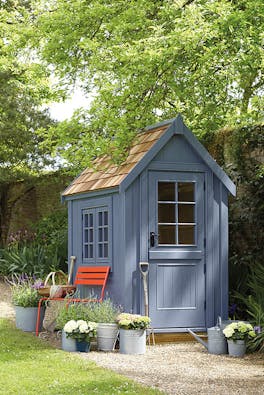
38	316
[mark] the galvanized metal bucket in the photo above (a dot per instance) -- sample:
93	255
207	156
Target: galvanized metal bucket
132	341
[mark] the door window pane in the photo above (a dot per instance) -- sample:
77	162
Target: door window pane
166	213
185	191
167	234
176	207
186	213
166	191
186	234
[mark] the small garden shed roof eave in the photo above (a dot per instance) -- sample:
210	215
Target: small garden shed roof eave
178	127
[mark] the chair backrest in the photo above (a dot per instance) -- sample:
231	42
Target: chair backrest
93	275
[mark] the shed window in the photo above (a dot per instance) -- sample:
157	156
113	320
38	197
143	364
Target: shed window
96	234
176	213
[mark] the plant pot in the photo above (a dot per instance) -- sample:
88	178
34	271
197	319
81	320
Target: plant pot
67	343
132	341
236	348
82	346
26	318
106	336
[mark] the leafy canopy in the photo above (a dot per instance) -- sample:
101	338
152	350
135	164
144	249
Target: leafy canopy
23	89
146	60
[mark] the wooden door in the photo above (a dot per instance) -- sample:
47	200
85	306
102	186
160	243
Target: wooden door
176	250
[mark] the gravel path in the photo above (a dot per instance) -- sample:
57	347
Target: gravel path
181	368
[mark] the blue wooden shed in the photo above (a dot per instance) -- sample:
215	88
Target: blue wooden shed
167	204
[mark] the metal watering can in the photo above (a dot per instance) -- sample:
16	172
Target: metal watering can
216	343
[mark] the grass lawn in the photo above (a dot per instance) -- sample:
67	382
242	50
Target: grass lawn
30	366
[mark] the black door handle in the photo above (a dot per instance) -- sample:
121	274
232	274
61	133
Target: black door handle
152	239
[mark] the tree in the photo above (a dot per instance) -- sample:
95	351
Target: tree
23	88
146	60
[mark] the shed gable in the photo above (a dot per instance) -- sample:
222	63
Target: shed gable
150	144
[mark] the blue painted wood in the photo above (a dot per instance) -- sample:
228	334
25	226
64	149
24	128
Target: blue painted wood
224	251
211	279
179	128
177	152
91	194
171	304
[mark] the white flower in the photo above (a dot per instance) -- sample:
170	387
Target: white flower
81	322
70	326
228	331
83	327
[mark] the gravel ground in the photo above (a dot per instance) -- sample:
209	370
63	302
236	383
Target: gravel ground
180	368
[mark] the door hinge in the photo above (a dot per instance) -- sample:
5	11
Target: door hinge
205	305
204	268
204	185
204	242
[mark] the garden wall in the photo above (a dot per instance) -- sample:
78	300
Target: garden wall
29	201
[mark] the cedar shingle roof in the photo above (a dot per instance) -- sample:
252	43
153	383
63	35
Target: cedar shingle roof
105	174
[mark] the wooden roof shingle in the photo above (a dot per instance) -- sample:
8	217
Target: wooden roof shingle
105	174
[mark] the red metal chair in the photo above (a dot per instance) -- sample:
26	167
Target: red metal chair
86	275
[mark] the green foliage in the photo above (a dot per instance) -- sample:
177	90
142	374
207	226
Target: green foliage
145	60
105	312
33	259
240	152
25	296
24	290
58	372
40	251
254	303
23	89
76	311
52	234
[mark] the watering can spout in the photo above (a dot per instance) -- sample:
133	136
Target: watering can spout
198	338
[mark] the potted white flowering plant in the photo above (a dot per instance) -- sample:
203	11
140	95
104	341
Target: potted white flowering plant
132	333
82	332
237	334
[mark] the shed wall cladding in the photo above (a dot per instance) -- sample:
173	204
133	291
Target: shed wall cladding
77	239
169	207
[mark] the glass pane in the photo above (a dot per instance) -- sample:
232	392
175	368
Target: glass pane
100	218
105	234
86	251
100	234
186	234
85	220
86	236
186	213
167	234
105	218
91	235
105	250
166	191
91	220
90	251
100	250
186	192
166	212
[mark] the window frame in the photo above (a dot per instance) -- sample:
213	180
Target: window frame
95	210
176	204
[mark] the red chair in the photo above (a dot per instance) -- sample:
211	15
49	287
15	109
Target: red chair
86	275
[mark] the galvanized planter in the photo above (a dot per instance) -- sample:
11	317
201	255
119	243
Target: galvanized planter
26	318
236	348
106	336
132	341
67	343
